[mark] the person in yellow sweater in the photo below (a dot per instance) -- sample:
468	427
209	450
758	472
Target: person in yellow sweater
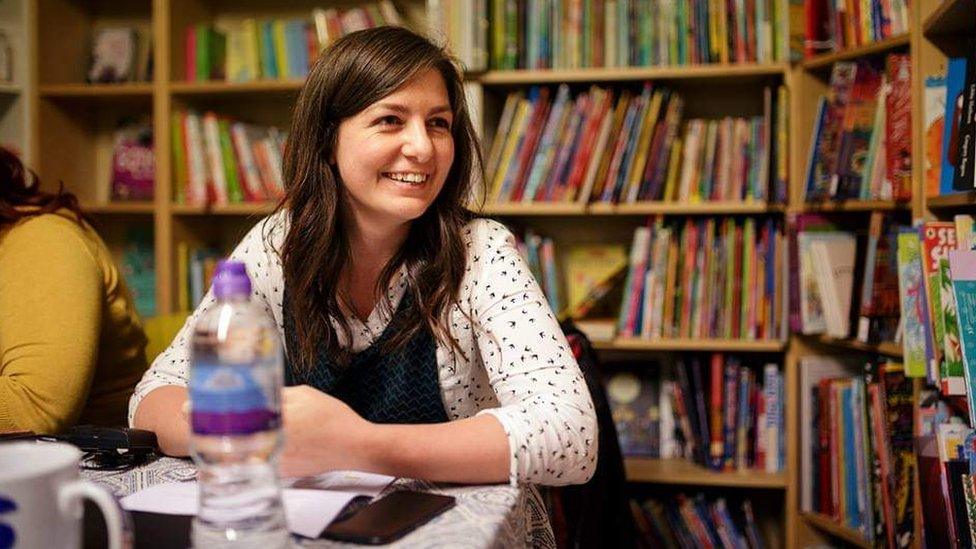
72	347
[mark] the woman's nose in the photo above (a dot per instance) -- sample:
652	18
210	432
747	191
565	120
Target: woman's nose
417	142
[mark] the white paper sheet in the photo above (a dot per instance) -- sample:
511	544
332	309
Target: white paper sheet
311	503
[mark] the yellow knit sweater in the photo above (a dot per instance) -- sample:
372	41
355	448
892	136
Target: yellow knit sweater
71	344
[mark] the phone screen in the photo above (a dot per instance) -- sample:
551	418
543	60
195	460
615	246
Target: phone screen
390	518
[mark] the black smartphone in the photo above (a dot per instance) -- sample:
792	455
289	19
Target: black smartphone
389	518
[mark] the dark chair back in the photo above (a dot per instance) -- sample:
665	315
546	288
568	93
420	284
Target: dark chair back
595	514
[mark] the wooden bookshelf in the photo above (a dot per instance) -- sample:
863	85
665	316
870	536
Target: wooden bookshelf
685	208
682	344
634	209
950	18
228	210
830	526
9	88
96	91
685	472
624	74
220	88
886	348
856	206
120	208
955	200
534	208
825	61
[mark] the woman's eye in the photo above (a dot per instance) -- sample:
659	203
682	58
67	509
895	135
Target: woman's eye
441	123
389	121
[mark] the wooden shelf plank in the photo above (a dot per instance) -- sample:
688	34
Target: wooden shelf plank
96	90
218	87
856	206
826	60
954	200
9	88
534	208
684	344
684	208
263	208
601	74
951	17
120	208
886	348
681	471
834	528
637	208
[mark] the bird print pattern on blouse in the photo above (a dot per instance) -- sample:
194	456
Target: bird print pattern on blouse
516	364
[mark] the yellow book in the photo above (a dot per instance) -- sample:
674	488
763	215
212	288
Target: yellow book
183	275
639	160
280	47
511	141
251	55
587	267
235	69
674	166
723	31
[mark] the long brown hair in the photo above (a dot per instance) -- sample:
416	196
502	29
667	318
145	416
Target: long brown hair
20	186
353	73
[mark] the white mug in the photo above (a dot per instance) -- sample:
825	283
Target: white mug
40	497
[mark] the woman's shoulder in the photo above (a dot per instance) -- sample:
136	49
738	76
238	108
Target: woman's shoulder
45	228
267	236
482	233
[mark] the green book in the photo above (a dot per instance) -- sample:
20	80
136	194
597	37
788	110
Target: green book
179	157
234	193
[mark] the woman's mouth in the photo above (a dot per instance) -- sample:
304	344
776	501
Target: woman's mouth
414	179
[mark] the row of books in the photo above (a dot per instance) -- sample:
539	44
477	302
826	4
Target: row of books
861	143
950	128
539	252
138	267
858	463
831	260
463	26
722	415
609	146
242	50
705	278
693	522
835	25
568	34
221	161
195	266
946	455
936	261
120	54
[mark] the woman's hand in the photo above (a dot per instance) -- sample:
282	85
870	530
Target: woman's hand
322	433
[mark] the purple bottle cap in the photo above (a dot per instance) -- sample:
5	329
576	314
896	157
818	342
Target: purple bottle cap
230	280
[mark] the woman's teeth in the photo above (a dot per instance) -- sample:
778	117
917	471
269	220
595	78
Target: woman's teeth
409	178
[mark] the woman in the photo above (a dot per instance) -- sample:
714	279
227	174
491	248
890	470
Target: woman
71	344
457	370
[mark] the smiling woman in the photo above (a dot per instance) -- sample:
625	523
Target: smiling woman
419	344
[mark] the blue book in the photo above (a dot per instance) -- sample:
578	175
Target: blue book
952	123
296	49
852	516
269	65
813	192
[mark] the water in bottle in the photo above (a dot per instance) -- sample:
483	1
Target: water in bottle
235	414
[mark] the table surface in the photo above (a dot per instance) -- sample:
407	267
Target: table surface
483	516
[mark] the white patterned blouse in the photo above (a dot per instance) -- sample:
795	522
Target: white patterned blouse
517	365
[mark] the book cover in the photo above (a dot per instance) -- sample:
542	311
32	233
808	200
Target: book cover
633	401
937	238
914	304
898	120
962	268
934	110
955	83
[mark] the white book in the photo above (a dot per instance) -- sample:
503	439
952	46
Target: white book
834	263
197	165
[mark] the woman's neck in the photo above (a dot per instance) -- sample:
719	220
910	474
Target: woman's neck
371	249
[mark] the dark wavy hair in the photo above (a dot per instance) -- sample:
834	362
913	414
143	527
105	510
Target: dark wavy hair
353	73
20	187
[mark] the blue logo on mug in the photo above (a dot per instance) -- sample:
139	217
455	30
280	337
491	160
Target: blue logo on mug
7	536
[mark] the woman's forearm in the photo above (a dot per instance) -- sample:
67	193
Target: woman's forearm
161	411
472	450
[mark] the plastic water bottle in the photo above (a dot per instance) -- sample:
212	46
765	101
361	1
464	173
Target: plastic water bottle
235	414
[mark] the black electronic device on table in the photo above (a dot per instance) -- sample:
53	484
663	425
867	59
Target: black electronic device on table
390	518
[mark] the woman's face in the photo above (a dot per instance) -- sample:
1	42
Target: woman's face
394	155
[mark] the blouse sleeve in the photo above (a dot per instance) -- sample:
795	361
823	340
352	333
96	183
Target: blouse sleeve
546	409
258	251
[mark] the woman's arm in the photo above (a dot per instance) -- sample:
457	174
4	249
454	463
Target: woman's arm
158	401
50	321
322	433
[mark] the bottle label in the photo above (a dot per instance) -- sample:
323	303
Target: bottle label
232	400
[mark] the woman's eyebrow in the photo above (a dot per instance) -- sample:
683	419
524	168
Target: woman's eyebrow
397	107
